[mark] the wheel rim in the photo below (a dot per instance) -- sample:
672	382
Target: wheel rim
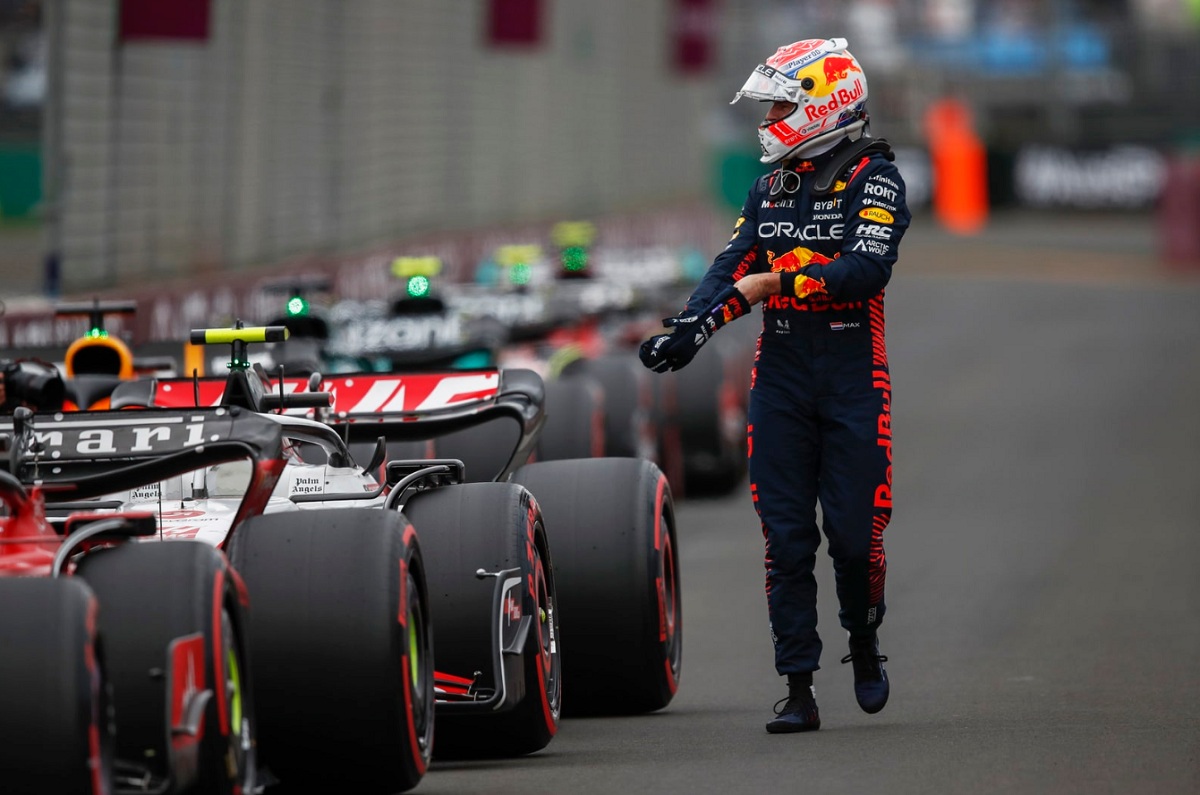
420	672
240	731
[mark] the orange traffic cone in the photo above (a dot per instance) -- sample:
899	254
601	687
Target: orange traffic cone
959	163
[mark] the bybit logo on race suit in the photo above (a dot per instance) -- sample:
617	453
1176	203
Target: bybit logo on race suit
796	259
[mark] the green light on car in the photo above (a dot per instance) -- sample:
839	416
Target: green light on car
418	286
575	258
297	306
520	273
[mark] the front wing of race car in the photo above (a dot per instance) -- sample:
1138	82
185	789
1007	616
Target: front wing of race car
505	688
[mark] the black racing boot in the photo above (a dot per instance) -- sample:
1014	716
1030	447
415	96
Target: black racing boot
799	712
870	680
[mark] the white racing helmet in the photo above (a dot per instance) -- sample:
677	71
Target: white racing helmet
826	84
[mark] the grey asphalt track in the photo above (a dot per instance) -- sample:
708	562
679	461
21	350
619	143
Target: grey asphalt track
1043	558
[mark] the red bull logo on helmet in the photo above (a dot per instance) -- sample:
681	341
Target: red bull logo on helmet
838	68
838	99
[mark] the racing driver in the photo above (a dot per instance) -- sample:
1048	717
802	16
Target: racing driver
815	243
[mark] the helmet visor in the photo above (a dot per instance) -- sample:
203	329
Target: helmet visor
767	85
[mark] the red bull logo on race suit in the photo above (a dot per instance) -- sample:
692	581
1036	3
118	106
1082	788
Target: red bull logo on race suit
796	259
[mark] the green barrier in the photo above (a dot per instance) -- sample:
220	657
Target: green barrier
736	169
20	179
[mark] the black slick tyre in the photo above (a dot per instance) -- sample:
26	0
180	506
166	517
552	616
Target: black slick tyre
628	404
574	419
172	615
668	437
493	527
712	424
612	524
341	631
484	449
56	734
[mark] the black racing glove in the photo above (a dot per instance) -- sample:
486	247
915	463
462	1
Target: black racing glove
690	331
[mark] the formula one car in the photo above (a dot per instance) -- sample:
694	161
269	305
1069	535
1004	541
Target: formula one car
413	329
487	531
580	326
488	568
97	362
340	615
56	730
609	521
85	616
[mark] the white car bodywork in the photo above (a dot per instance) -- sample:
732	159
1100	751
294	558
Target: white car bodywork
202	504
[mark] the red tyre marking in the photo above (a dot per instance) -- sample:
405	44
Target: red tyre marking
672	680
402	617
539	575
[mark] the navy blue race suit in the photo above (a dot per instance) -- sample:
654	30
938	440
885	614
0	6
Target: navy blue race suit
819	422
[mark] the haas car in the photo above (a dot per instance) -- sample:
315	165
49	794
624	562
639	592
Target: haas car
538	574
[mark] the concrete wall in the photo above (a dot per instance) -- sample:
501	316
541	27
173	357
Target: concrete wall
317	127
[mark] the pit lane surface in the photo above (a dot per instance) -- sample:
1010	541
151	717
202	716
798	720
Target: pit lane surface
1042	566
